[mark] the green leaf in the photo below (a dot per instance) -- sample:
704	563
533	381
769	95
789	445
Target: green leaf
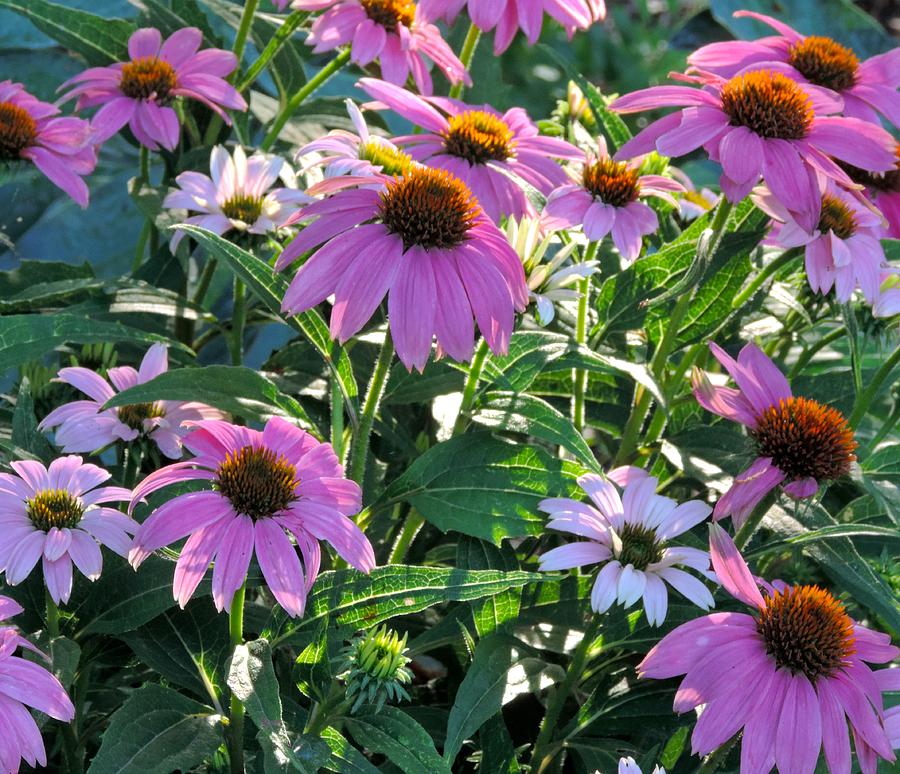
674	748
529	353
270	288
25	433
345	758
172	16
498	755
401	739
884	463
886	534
312	668
491	613
522	413
157	731
482	486
27	337
30	273
64	656
100	41
235	389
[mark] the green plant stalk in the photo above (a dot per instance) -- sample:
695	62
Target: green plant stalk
471	386
743	535
147	229
325	74
767	271
359	451
580	375
132	457
865	398
281	36
337	419
811	351
853	337
52	615
466	53
240	40
414	522
238	320
236	714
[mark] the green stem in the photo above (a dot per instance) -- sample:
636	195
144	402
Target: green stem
209	269
470	387
767	271
236	716
274	45
465	56
811	351
133	456
743	535
414	522
52	616
865	398
360	448
141	246
238	319
144	165
300	97
337	419
543	752
853	338
240	40
579	375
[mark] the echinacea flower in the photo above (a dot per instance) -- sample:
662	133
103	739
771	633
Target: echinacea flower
888	303
884	190
507	17
888	681
629	765
605	200
843	252
867	88
480	146
630	536
760	123
398	33
263	487
239	195
140	92
798	440
84	425
425	242
57	515
62	148
791	673
24	684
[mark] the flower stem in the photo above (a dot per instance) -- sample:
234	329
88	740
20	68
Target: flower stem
240	40
579	375
238	318
52	616
414	522
360	449
300	97
864	400
543	753
144	164
471	386
209	269
767	271
743	535
465	56
131	464
337	419
274	45
236	715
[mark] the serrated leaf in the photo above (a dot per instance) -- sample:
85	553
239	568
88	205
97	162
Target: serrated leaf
345	758
884	463
529	353
491	613
401	739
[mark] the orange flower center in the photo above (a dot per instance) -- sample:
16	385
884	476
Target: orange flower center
887	182
769	104
807	631
825	62
18	130
54	508
134	415
147	78
428	208
479	137
805	439
390	13
612	182
837	217
258	482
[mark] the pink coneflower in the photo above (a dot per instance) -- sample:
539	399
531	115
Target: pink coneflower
31	130
884	190
397	33
867	88
239	195
630	536
798	440
509	16
84	426
845	249
425	242
25	684
480	146
56	514
888	303
888	681
760	123
605	199
264	485
790	674
140	92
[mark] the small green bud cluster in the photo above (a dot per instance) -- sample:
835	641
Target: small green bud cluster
375	669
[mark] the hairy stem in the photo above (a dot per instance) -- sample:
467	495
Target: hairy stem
360	449
236	714
470	387
467	52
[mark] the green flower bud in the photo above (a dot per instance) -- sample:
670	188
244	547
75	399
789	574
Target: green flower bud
375	669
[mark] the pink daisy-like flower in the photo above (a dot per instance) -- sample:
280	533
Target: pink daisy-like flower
239	195
25	684
845	249
791	674
888	681
884	190
798	440
140	92
630	536
605	200
761	123
62	148
888	303
423	240
507	17
398	33
480	146
56	514
264	485
84	426
867	88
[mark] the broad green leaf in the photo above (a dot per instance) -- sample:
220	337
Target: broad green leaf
64	656
674	748
496	612
100	41
171	16
345	758
312	668
235	389
158	731
270	288
438	378
884	463
886	534
30	273
498	755
484	487
605	363
528	355
25	433
523	413
395	734
27	337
